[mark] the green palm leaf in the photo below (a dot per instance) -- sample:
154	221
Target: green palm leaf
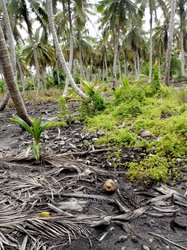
22	123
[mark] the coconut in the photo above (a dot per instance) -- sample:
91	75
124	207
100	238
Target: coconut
109	186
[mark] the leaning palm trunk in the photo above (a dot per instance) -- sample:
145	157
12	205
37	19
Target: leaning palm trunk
11	80
10	36
170	41
70	49
59	51
12	51
4	101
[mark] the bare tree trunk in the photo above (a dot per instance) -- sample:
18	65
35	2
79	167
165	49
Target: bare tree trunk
150	40
37	67
119	69
125	65
58	76
116	45
70	48
10	36
59	51
138	66
12	51
182	54
182	15
103	71
135	65
11	80
81	62
106	67
21	76
4	101
170	41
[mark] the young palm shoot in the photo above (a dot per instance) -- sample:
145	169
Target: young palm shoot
35	130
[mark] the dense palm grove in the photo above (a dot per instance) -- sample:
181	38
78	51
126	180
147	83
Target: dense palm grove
99	159
125	46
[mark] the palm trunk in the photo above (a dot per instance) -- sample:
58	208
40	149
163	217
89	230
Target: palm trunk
182	34
10	36
182	54
125	65
58	76
138	66
70	48
119	69
81	61
12	51
59	51
44	79
116	45
37	67
4	101
150	41
21	76
11	80
135	65
170	41
106	67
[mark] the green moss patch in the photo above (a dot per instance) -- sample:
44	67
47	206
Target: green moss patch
136	108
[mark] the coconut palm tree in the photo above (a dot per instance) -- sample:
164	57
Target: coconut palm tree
81	10
160	40
115	16
135	40
170	42
21	13
45	52
10	80
59	51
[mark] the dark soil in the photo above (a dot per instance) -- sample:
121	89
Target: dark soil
159	223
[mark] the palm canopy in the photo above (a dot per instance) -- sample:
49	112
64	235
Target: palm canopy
116	13
46	52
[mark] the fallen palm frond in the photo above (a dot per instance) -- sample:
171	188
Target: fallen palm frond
58	187
177	197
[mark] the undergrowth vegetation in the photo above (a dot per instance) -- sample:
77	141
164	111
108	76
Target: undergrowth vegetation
152	117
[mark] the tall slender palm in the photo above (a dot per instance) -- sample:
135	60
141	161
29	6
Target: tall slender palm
81	11
160	40
45	52
59	51
70	46
115	16
21	13
135	40
151	8
170	42
11	80
183	18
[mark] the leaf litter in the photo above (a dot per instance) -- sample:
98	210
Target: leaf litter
67	184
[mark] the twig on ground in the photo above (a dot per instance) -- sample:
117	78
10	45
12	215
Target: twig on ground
169	241
98	197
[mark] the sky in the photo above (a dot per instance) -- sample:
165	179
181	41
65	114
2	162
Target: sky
93	25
